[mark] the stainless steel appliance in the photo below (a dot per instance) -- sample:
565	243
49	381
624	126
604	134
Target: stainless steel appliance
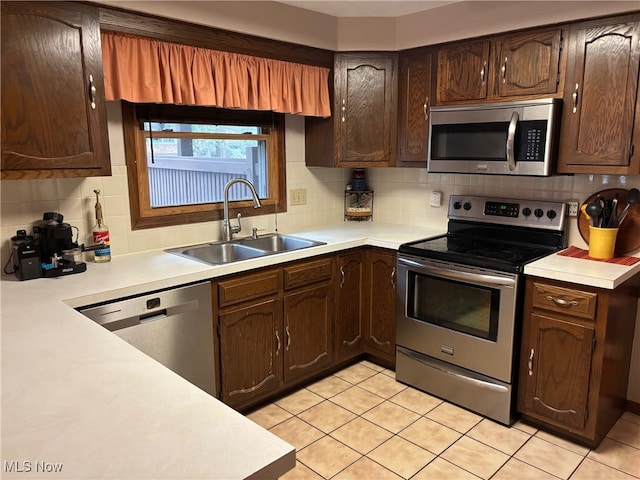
174	327
509	138
459	306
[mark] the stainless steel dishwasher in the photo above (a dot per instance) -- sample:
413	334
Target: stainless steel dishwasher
174	327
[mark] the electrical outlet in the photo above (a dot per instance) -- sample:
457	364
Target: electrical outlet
298	196
573	206
435	199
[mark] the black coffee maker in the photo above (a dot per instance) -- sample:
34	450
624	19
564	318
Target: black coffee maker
55	239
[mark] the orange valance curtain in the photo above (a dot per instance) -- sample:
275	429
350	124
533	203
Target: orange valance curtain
143	70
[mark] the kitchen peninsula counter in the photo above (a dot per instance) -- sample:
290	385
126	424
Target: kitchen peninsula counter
79	402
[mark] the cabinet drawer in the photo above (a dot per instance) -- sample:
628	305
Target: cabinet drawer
248	287
306	273
565	300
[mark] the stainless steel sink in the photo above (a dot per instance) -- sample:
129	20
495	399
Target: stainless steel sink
218	253
278	243
243	248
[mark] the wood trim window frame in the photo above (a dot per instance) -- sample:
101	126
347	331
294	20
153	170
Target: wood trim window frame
144	216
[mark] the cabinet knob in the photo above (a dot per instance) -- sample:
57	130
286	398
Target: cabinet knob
341	276
425	108
344	109
531	363
277	342
393	277
286	329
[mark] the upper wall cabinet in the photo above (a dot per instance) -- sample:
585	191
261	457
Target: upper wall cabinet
600	118
414	99
521	64
54	122
362	129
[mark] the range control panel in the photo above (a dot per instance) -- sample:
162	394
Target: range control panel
505	211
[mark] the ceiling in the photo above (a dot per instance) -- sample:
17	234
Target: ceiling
367	8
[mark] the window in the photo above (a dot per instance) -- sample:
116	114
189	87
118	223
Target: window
180	158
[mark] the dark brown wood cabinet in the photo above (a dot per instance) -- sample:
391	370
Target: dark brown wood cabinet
506	66
275	328
601	111
251	352
366	304
54	121
308	318
463	71
414	100
350	304
362	129
575	357
380	281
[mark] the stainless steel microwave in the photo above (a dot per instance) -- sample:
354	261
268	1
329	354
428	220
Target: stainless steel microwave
510	138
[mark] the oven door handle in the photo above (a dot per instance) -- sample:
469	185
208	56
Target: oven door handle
469	277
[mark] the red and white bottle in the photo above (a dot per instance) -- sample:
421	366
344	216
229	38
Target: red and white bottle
101	235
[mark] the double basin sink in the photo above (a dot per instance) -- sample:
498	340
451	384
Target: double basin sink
219	253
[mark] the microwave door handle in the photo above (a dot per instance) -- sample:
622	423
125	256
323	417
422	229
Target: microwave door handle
511	137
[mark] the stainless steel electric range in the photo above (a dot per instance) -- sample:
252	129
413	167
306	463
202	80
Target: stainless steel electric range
460	295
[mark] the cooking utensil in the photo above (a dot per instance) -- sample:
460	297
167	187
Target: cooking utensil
614	211
594	210
628	239
632	197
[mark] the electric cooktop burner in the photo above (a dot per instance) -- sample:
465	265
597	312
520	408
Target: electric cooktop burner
477	252
501	234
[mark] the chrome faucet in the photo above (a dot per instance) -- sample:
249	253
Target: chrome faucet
227	229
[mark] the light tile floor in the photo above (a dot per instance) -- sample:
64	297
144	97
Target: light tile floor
361	424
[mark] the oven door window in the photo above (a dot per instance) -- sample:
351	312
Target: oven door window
455	305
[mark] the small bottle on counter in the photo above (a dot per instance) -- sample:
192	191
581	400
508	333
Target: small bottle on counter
101	234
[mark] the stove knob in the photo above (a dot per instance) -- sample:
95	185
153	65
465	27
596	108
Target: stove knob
551	214
538	212
457	205
526	211
467	206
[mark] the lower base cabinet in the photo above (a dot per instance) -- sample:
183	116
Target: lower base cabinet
575	357
366	305
274	328
278	327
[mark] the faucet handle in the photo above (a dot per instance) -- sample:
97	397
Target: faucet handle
236	228
255	230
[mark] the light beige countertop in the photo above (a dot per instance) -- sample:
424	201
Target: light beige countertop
77	397
582	271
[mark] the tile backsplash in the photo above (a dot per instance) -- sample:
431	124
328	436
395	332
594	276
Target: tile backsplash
401	197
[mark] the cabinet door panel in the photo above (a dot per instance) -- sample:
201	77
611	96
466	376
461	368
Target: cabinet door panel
462	71
558	383
413	110
349	325
365	97
529	63
600	99
51	121
251	348
307	324
381	318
